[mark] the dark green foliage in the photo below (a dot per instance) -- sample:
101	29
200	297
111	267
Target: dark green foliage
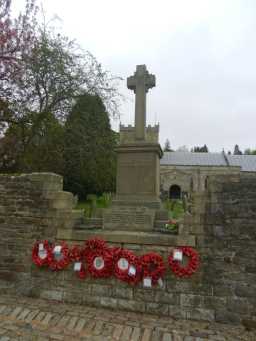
249	151
89	148
175	208
39	131
167	146
203	149
93	203
34	147
237	151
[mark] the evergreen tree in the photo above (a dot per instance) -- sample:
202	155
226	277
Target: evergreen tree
167	146
203	149
237	151
89	148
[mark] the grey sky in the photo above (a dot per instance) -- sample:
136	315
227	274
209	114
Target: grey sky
203	53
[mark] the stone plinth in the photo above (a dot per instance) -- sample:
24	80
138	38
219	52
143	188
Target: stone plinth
138	172
137	188
127	237
129	218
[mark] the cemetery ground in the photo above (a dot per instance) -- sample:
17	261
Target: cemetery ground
30	319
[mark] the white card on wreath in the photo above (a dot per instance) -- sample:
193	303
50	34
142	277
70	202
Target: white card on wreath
41	247
147	282
57	249
77	266
177	255
98	263
160	282
42	254
132	270
123	264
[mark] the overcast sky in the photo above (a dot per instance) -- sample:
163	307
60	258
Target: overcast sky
203	53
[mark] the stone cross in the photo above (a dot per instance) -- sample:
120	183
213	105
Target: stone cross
140	82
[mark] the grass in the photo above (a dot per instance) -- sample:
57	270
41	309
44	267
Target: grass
175	208
93	202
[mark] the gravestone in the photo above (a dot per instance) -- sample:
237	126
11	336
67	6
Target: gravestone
138	166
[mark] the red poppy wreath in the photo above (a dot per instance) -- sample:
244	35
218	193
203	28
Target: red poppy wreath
192	265
76	256
99	258
153	267
127	266
59	257
40	253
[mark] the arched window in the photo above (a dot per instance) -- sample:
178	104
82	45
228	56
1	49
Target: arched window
175	192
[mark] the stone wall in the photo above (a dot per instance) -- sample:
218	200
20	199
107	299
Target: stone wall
223	222
230	238
32	206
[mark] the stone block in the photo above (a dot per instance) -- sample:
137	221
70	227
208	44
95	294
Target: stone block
189	300
144	295
91	300
138	171
214	302
224	316
45	181
72	296
131	305
177	312
52	295
238	305
245	289
101	290
157	308
108	302
166	297
200	314
129	237
129	218
122	292
60	200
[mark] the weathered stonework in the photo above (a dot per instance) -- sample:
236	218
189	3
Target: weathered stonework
222	223
127	134
138	154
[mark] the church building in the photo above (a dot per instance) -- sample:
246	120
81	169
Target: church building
184	172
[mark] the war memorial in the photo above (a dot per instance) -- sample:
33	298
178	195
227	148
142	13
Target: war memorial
152	274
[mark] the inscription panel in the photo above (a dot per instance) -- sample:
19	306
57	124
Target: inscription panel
136	174
128	220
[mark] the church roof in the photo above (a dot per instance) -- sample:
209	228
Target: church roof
246	162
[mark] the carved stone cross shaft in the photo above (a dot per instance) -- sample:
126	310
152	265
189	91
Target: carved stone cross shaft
140	82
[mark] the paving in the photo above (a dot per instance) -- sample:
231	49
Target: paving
30	319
